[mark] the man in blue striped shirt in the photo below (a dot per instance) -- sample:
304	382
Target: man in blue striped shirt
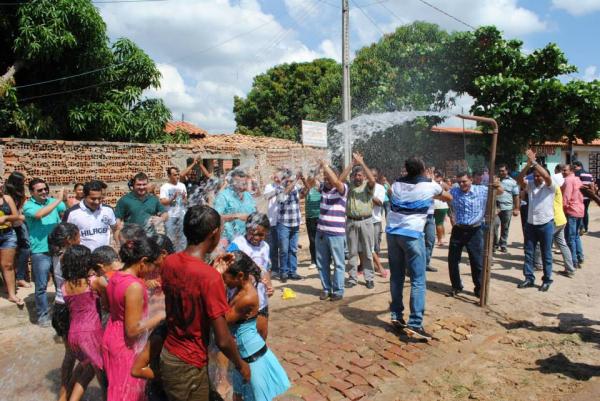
468	211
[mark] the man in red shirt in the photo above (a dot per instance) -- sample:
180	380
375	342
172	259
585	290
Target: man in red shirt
574	210
195	302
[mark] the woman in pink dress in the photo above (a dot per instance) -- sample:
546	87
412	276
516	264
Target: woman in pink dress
128	304
81	292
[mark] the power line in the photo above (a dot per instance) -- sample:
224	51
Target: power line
66	91
368	17
20	3
389	10
328	3
447	14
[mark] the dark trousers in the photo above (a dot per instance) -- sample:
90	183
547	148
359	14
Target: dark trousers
586	216
472	239
274	248
311	228
502	224
523	213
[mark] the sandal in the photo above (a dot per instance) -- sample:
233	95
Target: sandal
18	301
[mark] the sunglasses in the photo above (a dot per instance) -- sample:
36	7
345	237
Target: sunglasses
46	189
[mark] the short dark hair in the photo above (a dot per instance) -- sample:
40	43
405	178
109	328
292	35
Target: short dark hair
172	168
93	185
414	166
140	177
357	169
238	173
104	255
164	243
503	165
134	250
476	173
577	163
132	231
244	264
258	219
438	173
76	263
60	236
199	222
463	173
36	181
79	184
559	168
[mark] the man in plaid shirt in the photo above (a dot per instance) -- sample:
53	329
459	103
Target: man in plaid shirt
288	226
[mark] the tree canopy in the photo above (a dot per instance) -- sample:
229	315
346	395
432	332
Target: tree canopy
47	40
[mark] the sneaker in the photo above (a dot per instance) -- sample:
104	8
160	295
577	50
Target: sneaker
324	296
370	285
431	269
567	273
44	323
455	291
477	292
398	323
283	278
335	298
525	284
350	284
295	277
418	332
312	266
503	249
544	287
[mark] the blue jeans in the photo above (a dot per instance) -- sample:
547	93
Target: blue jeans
41	263
174	230
429	236
407	253
288	249
542	233
273	241
472	239
574	224
23	251
330	247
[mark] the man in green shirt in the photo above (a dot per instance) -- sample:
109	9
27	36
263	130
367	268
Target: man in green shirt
42	213
359	226
139	206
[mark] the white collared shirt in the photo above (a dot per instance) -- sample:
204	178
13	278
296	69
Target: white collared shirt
94	226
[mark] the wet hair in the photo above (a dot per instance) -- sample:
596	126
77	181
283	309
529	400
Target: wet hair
132	231
199	222
104	255
243	263
164	243
414	166
258	219
36	181
60	237
79	184
357	169
169	169
463	173
238	173
76	263
94	185
15	187
134	250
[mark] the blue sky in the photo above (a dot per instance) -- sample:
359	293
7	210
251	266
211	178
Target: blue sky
209	50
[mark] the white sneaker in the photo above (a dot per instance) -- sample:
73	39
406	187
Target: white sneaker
312	266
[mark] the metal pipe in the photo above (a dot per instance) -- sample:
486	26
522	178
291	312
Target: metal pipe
490	210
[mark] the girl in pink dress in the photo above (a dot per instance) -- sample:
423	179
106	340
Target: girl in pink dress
127	326
81	292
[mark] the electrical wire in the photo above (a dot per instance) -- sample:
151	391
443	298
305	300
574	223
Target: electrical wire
368	17
20	3
65	91
447	14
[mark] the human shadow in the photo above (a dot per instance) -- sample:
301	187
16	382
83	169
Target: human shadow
302	289
559	363
92	392
508	279
445	289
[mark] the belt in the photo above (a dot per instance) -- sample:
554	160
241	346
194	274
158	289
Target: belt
254	357
468	226
359	218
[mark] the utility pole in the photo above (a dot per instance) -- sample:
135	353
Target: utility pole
346	110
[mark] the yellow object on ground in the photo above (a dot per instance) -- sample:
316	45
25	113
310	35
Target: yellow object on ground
288	293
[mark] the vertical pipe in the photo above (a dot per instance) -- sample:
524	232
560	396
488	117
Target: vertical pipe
490	215
346	101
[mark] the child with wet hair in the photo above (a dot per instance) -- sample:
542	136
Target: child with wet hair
254	245
268	378
105	261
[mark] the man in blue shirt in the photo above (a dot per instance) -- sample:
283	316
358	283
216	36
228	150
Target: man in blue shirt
42	213
235	204
468	211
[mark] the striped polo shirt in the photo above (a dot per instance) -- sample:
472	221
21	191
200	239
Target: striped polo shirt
332	220
586	179
411	199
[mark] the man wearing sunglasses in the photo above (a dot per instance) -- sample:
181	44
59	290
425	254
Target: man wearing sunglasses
42	214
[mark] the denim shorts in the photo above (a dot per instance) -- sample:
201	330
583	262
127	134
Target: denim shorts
8	239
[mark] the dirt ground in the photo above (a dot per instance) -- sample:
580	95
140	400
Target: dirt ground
526	345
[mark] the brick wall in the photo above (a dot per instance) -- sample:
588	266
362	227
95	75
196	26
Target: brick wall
63	163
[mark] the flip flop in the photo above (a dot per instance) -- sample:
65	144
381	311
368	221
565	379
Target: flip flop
19	302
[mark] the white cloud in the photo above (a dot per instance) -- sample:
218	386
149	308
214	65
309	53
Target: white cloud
591	73
577	7
462	105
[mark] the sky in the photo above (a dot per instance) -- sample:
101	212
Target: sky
209	51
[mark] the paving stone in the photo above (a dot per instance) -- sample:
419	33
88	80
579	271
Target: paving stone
356	380
362	362
462	331
322	377
314	397
301	390
340	385
353	393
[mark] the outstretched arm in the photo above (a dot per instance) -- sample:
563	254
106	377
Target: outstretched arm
333	179
370	177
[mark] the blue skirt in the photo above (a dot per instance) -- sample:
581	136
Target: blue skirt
268	379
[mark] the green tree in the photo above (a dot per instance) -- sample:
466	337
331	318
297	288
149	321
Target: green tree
47	39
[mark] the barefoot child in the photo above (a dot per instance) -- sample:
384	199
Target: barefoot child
268	379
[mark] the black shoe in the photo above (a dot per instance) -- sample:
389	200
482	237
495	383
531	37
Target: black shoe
370	285
503	249
295	277
324	296
477	292
567	273
283	278
398	323
335	298
418	332
545	287
350	284
455	291
525	284
431	269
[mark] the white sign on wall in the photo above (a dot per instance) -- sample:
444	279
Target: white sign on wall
314	134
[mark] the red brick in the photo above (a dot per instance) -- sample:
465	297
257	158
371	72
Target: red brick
314	397
362	362
339	384
353	393
356	380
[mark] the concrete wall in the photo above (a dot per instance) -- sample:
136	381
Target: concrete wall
63	163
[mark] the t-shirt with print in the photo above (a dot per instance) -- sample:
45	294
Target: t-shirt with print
168	190
360	200
94	226
40	229
194	295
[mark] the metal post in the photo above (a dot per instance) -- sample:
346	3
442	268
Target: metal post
490	211
346	101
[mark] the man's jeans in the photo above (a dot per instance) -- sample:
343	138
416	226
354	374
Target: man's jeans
273	241
586	216
288	249
406	253
311	230
561	242
502	224
41	263
472	239
359	234
330	247
174	230
542	234
429	236
573	239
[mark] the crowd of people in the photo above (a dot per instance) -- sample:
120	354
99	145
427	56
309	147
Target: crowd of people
138	309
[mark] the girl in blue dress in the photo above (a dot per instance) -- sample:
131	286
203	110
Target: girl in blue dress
268	379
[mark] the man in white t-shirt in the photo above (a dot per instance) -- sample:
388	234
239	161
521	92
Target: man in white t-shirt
95	220
270	194
378	198
173	196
